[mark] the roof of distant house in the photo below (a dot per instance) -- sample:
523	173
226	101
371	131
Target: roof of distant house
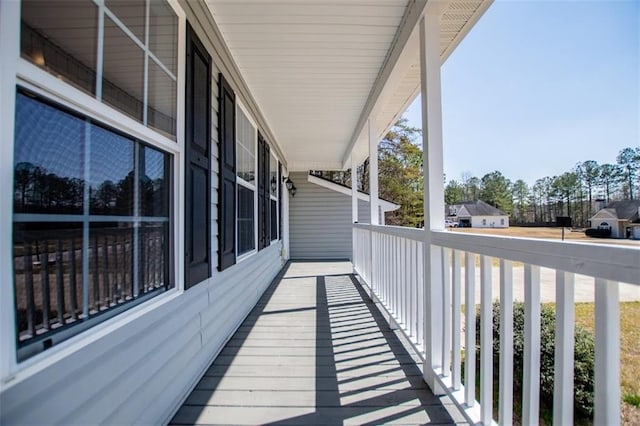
479	208
624	209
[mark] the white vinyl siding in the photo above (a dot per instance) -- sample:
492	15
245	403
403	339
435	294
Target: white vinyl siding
320	221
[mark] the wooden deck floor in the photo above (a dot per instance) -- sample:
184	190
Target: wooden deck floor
314	350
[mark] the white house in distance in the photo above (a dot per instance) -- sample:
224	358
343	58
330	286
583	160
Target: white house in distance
145	147
621	217
478	214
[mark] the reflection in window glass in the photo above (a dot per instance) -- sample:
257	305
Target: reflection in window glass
48	159
61	37
273	176
246	240
246	147
110	264
154	180
131	13
110	173
47	259
161	112
154	255
123	71
274	220
163	33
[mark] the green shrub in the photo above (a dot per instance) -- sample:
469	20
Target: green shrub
584	362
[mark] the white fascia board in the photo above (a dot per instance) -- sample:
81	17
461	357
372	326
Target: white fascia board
386	206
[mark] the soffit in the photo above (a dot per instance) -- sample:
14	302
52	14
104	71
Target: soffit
312	65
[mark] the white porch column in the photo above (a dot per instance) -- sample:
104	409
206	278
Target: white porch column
433	190
354	189
373	175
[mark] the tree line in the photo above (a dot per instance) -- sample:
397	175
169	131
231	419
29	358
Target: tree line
575	193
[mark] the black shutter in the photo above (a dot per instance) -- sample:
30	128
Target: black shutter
198	159
280	189
264	234
227	185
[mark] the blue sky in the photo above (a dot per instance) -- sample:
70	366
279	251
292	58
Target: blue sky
538	86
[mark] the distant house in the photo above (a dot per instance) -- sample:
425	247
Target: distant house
621	217
478	214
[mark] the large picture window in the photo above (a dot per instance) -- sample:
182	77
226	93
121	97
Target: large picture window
246	182
91	223
131	67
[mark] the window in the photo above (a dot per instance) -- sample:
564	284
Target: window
484	221
248	188
91	223
246	182
274	187
137	70
501	221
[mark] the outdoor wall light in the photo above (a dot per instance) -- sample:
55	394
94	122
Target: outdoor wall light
290	186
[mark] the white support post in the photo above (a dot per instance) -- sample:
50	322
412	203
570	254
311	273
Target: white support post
10	48
373	175
433	189
354	189
607	374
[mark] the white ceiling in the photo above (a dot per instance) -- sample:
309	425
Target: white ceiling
311	66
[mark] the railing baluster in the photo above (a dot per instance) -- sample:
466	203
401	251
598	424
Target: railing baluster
607	356
407	285
505	405
470	330
72	277
44	284
486	341
59	282
456	327
446	311
564	348
28	282
531	381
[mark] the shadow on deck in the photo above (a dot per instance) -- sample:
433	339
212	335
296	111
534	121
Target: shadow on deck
314	350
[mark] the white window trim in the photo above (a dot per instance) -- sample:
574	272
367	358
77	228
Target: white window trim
254	187
275	198
18	72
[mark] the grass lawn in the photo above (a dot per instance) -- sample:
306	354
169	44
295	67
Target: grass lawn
629	342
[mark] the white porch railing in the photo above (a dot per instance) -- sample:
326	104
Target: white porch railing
390	260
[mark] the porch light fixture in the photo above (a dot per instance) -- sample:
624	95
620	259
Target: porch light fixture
290	186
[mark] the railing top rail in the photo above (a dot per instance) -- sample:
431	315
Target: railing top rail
610	262
416	234
606	261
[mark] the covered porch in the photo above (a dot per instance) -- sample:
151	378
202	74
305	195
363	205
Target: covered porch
316	350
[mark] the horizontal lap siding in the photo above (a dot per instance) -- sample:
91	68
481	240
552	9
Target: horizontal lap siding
320	221
140	366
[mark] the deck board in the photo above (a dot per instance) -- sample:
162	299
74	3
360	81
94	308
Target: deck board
314	350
